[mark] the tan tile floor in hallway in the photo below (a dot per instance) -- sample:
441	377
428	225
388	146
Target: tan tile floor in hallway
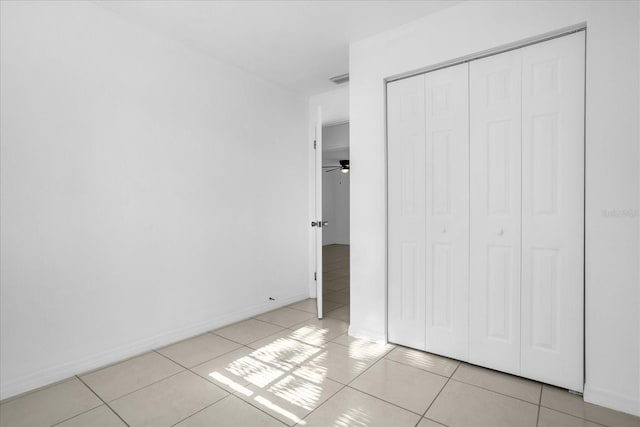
335	288
286	367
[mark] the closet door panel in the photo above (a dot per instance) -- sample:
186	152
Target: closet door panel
447	211
553	211
495	211
406	211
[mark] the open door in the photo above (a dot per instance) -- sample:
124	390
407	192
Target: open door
318	223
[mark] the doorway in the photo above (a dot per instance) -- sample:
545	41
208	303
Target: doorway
335	210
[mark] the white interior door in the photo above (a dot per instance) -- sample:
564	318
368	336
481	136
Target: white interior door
406	212
495	186
553	211
447	210
317	222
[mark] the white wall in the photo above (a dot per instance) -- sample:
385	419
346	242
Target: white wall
335	208
335	109
335	138
612	135
140	202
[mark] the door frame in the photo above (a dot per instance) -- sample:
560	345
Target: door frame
335	110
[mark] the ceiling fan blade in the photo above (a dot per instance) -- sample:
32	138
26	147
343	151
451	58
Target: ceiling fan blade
331	170
332	166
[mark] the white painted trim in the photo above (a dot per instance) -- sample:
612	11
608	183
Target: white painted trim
610	399
366	334
63	371
494	51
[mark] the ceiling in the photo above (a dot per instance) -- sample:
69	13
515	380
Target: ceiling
297	44
332	157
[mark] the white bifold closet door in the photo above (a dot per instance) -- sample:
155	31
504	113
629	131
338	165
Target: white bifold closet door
406	210
527	211
553	211
486	211
495	104
447	211
428	208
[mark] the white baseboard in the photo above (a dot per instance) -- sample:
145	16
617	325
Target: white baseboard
63	371
612	400
355	331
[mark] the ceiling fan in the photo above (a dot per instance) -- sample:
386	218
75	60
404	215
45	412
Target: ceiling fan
344	167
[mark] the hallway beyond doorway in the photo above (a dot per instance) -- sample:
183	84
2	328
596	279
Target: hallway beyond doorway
336	289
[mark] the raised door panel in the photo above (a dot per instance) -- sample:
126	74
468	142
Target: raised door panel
447	212
495	212
553	211
406	212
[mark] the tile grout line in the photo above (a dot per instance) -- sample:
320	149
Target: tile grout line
235	394
580	418
288	337
299	325
465	382
116	363
153	350
313	312
280	326
500	393
35	390
201	363
295	365
434	421
493	391
200	410
384	356
385	401
148	385
76	415
322	346
348	385
224	390
220	400
422	369
271	323
242	346
239	343
322	404
103	401
299	309
259	339
343	385
438	395
368	367
539	403
347	345
171	360
78	376
201	377
210	360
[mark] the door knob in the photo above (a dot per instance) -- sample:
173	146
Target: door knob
325	223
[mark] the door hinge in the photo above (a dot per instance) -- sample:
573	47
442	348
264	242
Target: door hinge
315	275
314	144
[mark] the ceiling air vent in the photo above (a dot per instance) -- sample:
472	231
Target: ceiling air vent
342	78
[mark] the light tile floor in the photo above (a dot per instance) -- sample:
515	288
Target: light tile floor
286	367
